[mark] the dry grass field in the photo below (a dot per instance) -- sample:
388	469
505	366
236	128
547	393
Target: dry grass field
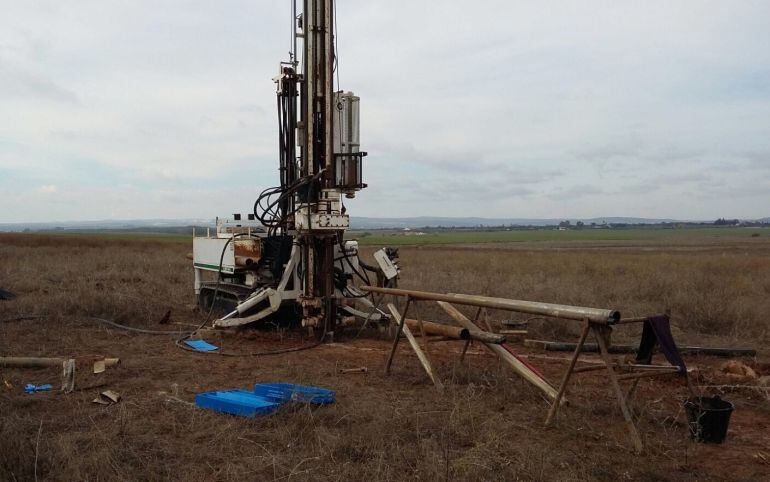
486	425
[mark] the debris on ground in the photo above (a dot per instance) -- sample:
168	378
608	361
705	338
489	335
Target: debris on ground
107	397
32	388
515	325
200	345
67	366
738	371
101	365
265	399
6	295
354	370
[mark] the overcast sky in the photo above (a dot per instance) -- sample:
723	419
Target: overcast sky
164	109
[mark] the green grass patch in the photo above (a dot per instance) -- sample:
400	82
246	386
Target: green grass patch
395	238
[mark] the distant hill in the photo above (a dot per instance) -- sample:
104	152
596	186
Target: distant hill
447	222
121	224
356	222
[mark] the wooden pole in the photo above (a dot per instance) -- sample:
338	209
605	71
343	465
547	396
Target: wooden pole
514	332
567	375
599	335
596	315
425	346
629	368
486	320
398	335
415	346
29	362
522	369
632	376
465	349
589	368
630	394
486	337
684	350
430	328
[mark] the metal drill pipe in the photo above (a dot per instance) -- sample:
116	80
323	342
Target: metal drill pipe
579	313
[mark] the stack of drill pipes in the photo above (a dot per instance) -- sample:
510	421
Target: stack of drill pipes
524	369
578	313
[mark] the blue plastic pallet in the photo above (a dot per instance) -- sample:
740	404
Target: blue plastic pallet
237	402
286	392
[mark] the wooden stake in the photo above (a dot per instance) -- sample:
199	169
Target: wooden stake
425	346
415	346
398	336
600	339
631	392
563	387
465	349
486	320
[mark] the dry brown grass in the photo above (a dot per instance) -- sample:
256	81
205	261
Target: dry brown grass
486	426
722	291
129	281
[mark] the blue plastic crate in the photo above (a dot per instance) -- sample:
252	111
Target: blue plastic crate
201	345
286	392
237	402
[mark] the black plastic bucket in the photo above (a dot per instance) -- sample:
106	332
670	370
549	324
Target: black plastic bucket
708	418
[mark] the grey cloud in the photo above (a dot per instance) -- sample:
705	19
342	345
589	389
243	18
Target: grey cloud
580	107
19	84
688	177
576	192
758	159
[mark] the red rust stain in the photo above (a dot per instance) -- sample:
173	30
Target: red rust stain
249	248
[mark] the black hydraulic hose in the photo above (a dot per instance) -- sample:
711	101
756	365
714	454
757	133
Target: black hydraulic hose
347	258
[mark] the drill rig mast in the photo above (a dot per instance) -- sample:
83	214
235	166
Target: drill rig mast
300	256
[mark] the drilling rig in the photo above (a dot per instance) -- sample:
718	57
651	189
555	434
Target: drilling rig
289	254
